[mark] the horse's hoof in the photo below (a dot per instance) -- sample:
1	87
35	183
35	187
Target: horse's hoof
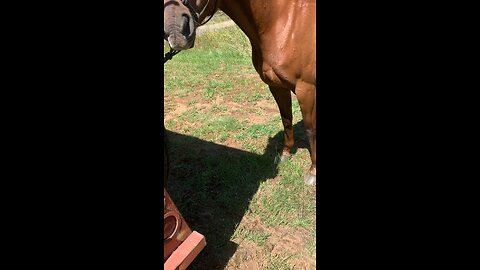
284	158
310	179
281	158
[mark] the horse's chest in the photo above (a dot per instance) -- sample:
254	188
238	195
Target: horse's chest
269	76
275	75
273	68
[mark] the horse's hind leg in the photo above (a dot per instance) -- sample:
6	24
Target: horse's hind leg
284	101
306	95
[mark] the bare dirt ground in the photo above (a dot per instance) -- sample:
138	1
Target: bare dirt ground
250	255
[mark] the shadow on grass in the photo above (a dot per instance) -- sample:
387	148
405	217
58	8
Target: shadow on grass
212	185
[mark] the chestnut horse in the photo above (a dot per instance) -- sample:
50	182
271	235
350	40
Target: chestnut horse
283	38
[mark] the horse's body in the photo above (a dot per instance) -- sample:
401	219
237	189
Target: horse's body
283	38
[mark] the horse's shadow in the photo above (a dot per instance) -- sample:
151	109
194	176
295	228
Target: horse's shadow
212	185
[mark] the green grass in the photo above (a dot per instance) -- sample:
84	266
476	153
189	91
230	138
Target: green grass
219	17
278	262
223	146
256	236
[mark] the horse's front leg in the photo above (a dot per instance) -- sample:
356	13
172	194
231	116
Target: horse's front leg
306	95
284	101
